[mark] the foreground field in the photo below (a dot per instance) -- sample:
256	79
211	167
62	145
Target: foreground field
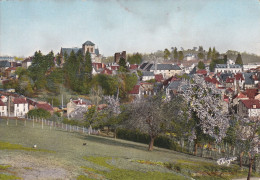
62	155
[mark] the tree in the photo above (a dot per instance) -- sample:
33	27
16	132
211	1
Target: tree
205	101
209	55
239	60
122	65
201	65
180	55
88	66
248	132
213	54
148	115
175	54
225	59
39	113
166	53
135	58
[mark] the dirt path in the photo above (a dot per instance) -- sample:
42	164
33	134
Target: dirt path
30	167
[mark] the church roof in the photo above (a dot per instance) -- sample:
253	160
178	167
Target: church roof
89	43
69	50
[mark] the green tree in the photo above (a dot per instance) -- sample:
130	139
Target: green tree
39	113
135	58
88	66
180	55
201	65
175	54
239	60
225	59
209	55
166	53
122	64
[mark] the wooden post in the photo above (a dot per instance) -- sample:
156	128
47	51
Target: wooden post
83	130
42	123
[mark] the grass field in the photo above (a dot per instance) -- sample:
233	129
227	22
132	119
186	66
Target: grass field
62	155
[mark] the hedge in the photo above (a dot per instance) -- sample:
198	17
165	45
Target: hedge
137	136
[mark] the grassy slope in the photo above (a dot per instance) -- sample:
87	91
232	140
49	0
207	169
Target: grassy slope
100	158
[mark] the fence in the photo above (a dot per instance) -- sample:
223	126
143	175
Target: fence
44	123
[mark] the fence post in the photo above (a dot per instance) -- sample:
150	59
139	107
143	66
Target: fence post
42	123
83	130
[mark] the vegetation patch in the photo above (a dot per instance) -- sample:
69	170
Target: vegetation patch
118	173
4	167
8	177
9	146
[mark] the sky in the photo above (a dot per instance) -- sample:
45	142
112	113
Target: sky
143	26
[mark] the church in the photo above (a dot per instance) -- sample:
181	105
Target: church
88	46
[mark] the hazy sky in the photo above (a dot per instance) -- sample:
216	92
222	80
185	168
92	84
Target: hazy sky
134	26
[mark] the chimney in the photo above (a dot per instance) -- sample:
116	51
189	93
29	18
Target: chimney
254	106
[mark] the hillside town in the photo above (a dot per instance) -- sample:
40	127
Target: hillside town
239	83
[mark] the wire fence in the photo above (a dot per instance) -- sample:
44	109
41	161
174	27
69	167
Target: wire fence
47	124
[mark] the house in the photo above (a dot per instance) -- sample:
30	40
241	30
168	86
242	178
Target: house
228	68
107	71
172	88
249	80
202	72
167	70
20	107
77	108
158	77
133	66
10	71
135	91
27	62
3	108
4	65
146	76
45	106
249	108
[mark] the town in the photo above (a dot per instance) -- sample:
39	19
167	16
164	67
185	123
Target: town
239	83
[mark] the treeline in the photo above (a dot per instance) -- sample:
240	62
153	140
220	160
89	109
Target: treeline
47	75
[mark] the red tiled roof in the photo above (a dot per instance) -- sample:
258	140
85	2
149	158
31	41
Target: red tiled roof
45	106
115	67
230	80
133	66
211	80
202	71
78	102
241	96
251	93
250	102
11	69
230	90
239	76
135	90
2	103
20	101
158	77
106	71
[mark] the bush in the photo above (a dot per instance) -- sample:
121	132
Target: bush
39	113
137	136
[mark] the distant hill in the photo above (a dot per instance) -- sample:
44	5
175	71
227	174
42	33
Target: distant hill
246	57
